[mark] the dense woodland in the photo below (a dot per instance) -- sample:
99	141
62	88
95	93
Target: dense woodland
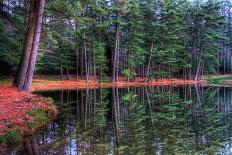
158	39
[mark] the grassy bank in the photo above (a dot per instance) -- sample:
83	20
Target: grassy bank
219	79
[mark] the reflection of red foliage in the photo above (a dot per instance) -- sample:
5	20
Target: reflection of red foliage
42	84
14	106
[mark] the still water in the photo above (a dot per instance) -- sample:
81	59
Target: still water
136	120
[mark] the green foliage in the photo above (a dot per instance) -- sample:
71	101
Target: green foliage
218	80
41	118
11	40
129	74
129	97
12	136
100	58
81	34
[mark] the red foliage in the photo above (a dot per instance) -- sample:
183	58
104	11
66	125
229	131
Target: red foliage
14	106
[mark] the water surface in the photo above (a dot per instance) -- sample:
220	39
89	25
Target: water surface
136	120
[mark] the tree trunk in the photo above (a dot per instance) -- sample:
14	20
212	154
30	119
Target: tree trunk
149	62
67	73
22	71
199	65
77	57
35	46
116	50
86	61
115	60
61	70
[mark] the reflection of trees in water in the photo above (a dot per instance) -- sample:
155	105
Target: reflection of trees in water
138	120
209	123
133	139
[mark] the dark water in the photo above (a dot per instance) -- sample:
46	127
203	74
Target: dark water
136	120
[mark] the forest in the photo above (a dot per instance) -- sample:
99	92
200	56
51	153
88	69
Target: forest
108	39
115	77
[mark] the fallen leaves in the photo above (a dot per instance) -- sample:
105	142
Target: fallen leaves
14	106
49	84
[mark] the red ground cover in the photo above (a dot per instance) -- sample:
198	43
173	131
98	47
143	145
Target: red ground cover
49	84
14	106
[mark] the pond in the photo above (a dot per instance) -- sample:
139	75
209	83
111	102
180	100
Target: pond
158	120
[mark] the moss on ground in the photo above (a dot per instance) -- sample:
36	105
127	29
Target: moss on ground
12	136
5	81
41	118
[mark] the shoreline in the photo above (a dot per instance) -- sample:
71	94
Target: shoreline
20	118
51	84
22	114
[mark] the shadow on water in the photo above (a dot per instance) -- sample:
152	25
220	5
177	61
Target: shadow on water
136	120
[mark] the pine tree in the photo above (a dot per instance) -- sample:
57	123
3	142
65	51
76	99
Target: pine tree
134	38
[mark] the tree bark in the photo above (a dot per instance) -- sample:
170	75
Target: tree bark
86	61
149	62
116	48
61	70
22	71
35	46
67	73
77	62
199	65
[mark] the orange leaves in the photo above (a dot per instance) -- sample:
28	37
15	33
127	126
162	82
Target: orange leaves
14	106
42	84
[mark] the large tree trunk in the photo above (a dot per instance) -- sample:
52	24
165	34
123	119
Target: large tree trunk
22	71
31	45
35	46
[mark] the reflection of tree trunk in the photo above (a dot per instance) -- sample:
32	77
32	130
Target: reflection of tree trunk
67	97
115	107
62	96
86	106
118	104
2	6
199	102
82	106
35	146
90	104
149	105
77	102
28	146
94	102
